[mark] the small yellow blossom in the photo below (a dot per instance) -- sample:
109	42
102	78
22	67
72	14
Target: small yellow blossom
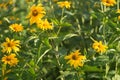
5	78
10	2
63	4
29	0
99	47
75	59
54	0
44	24
36	13
118	11
10	45
0	22
16	27
31	30
118	17
109	2
13	17
5	5
10	59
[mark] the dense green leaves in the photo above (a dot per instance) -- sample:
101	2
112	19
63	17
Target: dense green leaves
42	52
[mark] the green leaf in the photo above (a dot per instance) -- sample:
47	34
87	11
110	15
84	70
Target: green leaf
69	36
88	68
65	73
70	13
116	77
103	58
55	21
65	24
46	42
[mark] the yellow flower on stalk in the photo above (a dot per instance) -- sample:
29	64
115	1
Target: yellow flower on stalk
10	59
63	4
109	2
16	27
36	13
44	24
75	59
10	45
99	47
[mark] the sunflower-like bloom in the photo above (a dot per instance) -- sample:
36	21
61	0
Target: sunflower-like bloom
10	59
99	47
109	2
44	24
16	27
75	59
36	13
63	4
10	45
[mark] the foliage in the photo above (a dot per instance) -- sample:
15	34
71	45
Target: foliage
75	26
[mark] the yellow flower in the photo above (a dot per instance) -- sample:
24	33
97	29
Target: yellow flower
10	2
10	45
63	4
31	30
99	47
16	27
109	2
44	24
118	17
10	59
75	59
54	0
29	0
118	11
6	78
4	6
13	17
0	22
36	13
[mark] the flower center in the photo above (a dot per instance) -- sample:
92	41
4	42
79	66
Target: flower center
9	44
34	12
15	28
100	46
8	59
44	24
107	1
74	57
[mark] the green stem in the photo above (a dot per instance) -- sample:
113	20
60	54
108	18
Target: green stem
106	71
42	55
118	7
57	55
60	22
62	15
79	27
3	71
101	5
116	65
39	50
59	30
